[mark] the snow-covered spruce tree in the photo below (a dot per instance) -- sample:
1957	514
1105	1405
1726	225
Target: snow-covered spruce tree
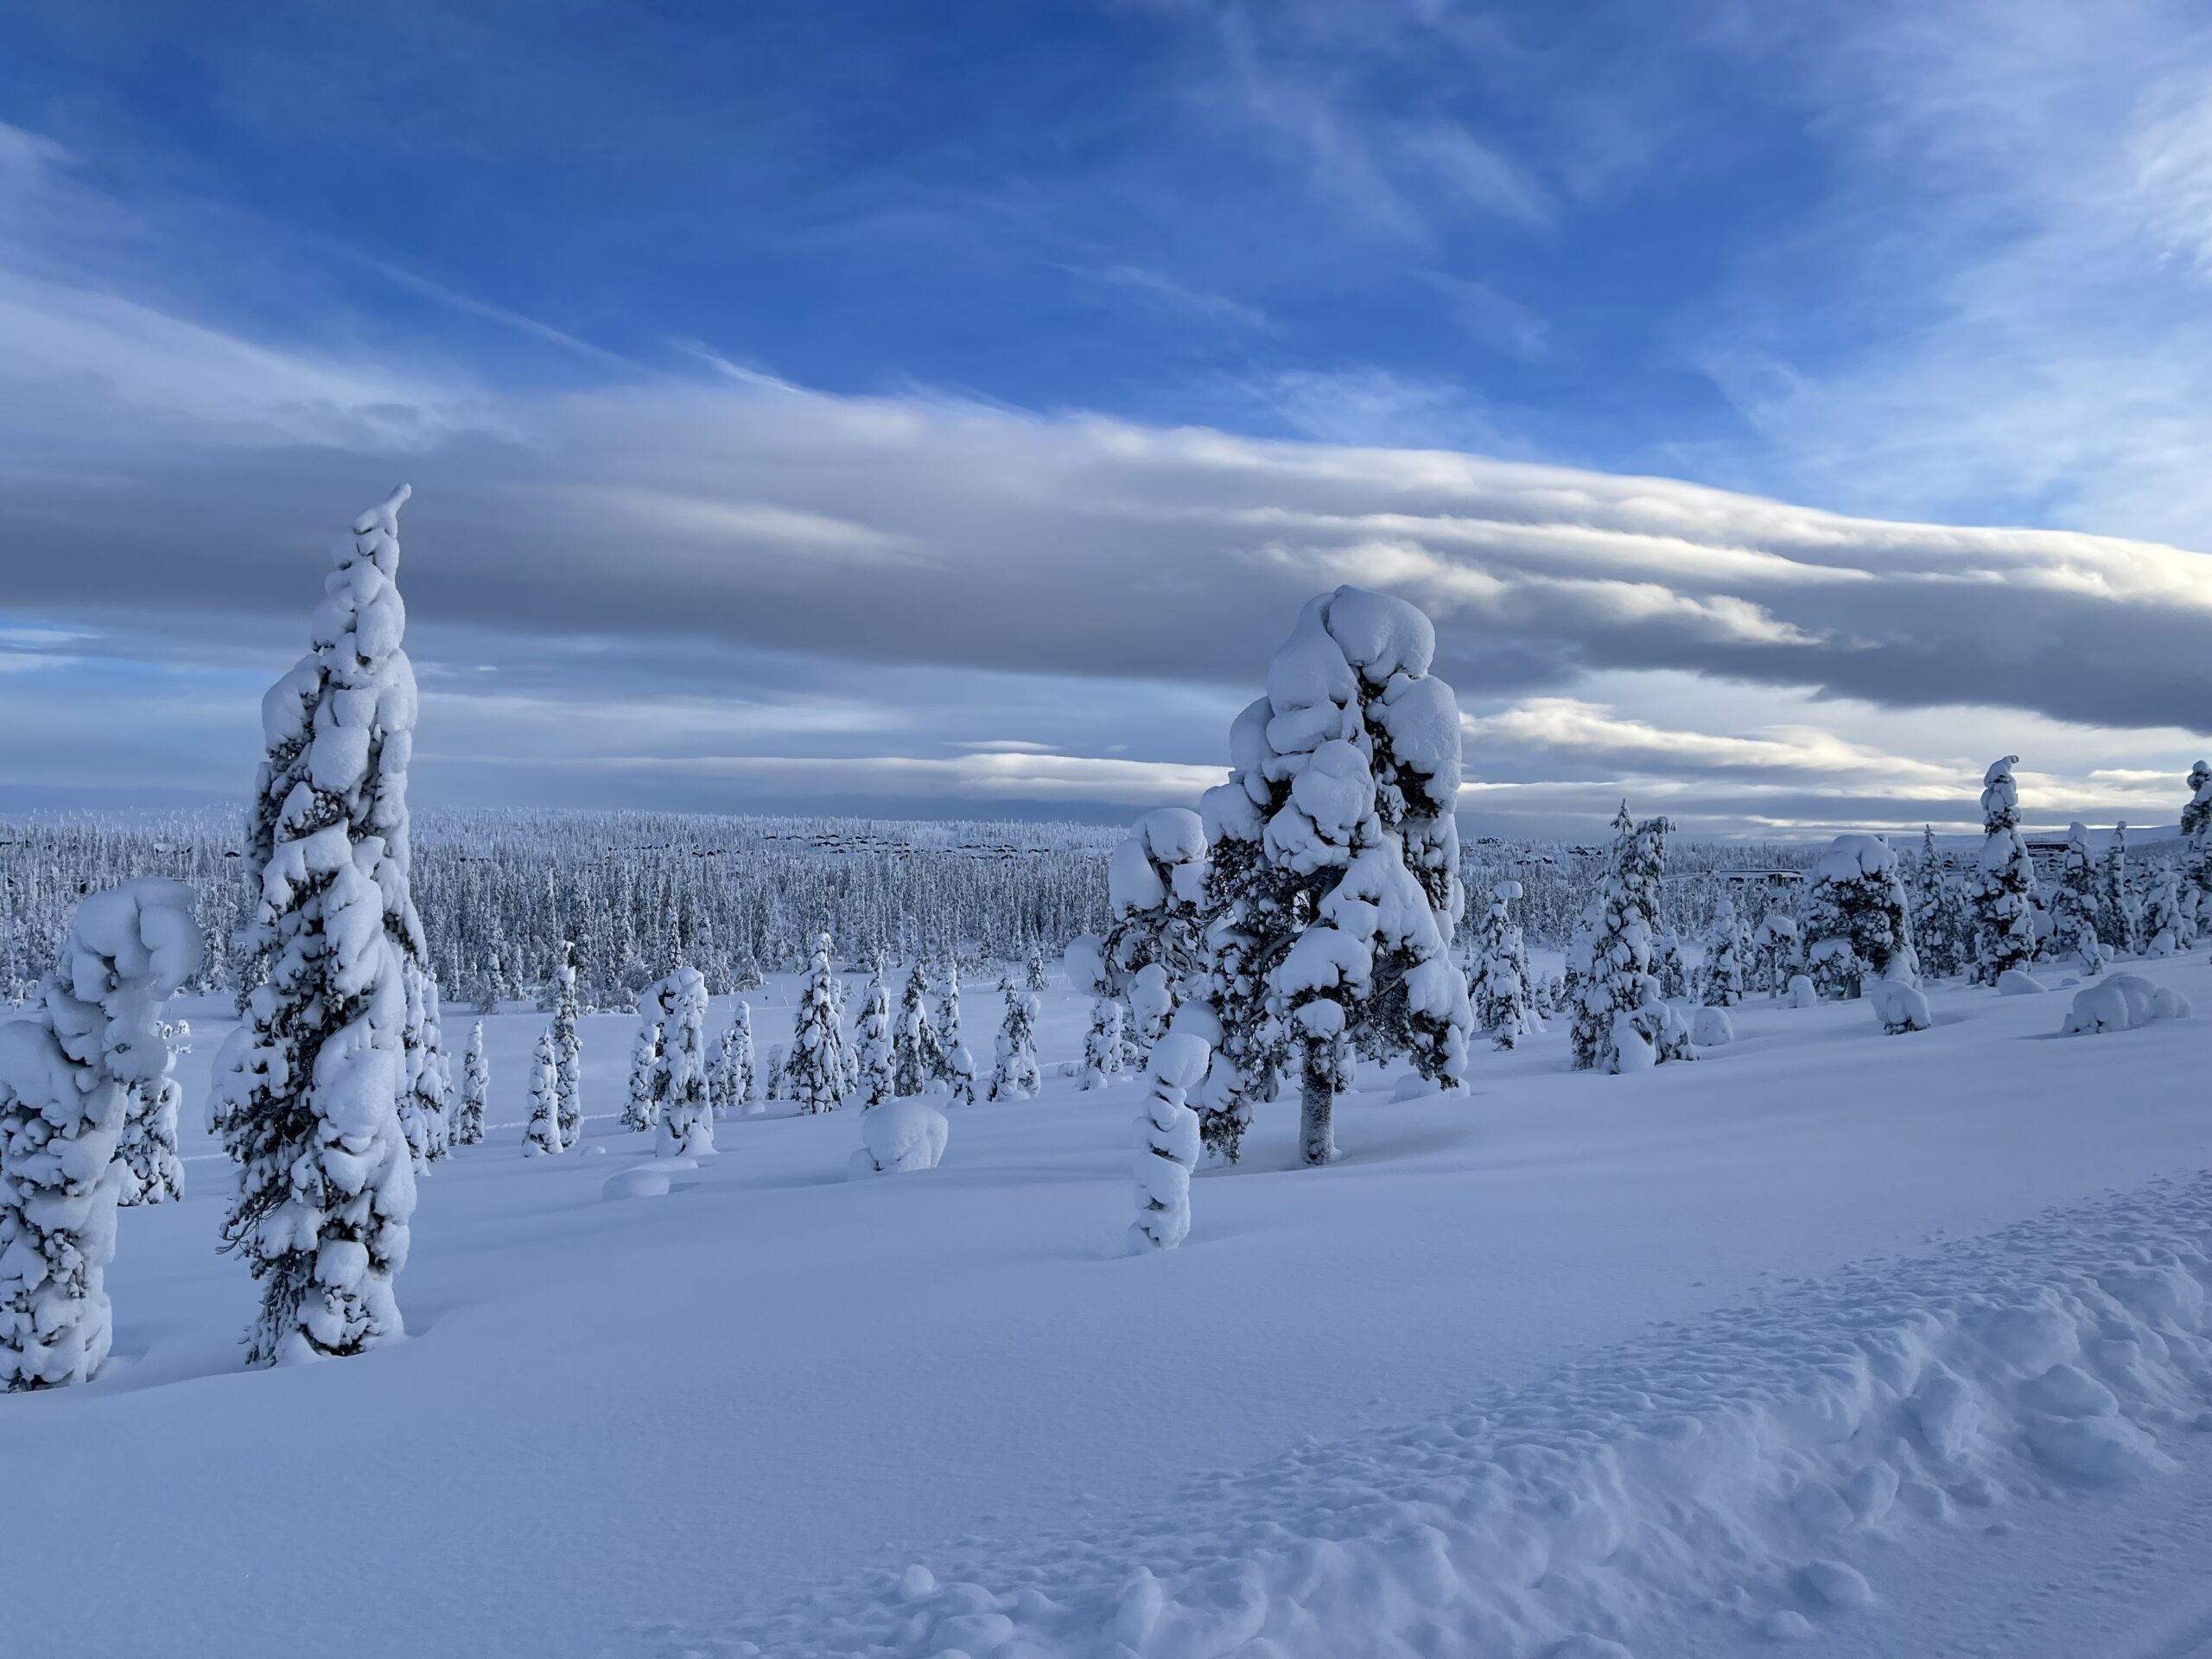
541	1135
1156	884
641	1109
731	1085
568	1047
307	1089
475	1089
2004	880
2119	913
875	1042
1167	1144
777	1086
1014	1076
1500	985
1356	770
917	1055
2162	917
151	1171
425	1102
1943	944
1721	984
1669	965
1035	970
69	1076
2076	906
1621	1023
1867	928
959	1065
816	1073
1778	943
686	1118
1247	929
2197	829
1102	1044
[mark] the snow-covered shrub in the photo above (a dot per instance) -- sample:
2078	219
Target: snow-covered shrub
1014	1075
641	1109
1777	944
1863	926
816	1073
1898	1004
2018	982
1356	768
731	1085
873	1043
475	1089
1720	982
541	1135
1167	1144
2120	1003
1710	1027
2004	880
69	1075
1621	1023
685	1111
308	1087
917	1057
151	1171
567	1048
959	1064
902	1135
1802	992
1499	987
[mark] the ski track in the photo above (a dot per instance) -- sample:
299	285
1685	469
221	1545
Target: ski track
1719	1469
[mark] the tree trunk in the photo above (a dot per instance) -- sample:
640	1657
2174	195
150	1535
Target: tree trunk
1317	1103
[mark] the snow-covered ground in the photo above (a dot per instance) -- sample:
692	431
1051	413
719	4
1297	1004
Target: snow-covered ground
1896	1345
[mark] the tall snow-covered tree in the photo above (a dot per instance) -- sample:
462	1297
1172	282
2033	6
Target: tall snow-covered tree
2004	880
475	1089
1727	952
1035	970
2076	908
1167	1144
917	1055
816	1074
2120	923
732	1083
1355	765
1670	965
568	1047
2162	917
2196	830
1778	943
151	1170
308	1087
876	1041
959	1064
1867	927
1621	1022
69	1076
1014	1076
686	1118
1500	983
1248	928
541	1135
1941	934
425	1101
641	1109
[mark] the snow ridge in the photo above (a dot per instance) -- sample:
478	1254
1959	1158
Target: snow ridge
1717	1469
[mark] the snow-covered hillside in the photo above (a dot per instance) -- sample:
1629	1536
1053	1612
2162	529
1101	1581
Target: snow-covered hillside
1898	1343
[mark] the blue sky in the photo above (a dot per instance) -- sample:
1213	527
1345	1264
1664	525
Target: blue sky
943	409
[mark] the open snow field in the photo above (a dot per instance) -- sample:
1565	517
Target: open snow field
1893	1346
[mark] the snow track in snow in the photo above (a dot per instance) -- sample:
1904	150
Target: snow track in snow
1728	1474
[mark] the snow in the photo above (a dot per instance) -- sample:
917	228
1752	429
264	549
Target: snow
1572	1365
2016	982
902	1135
2121	1003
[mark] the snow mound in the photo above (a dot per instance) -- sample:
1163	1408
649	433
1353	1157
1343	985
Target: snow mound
898	1136
1710	1028
2121	1003
2014	982
1737	1462
1898	1006
642	1182
1801	993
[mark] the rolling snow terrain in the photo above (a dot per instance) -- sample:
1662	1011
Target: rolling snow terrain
1863	1342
